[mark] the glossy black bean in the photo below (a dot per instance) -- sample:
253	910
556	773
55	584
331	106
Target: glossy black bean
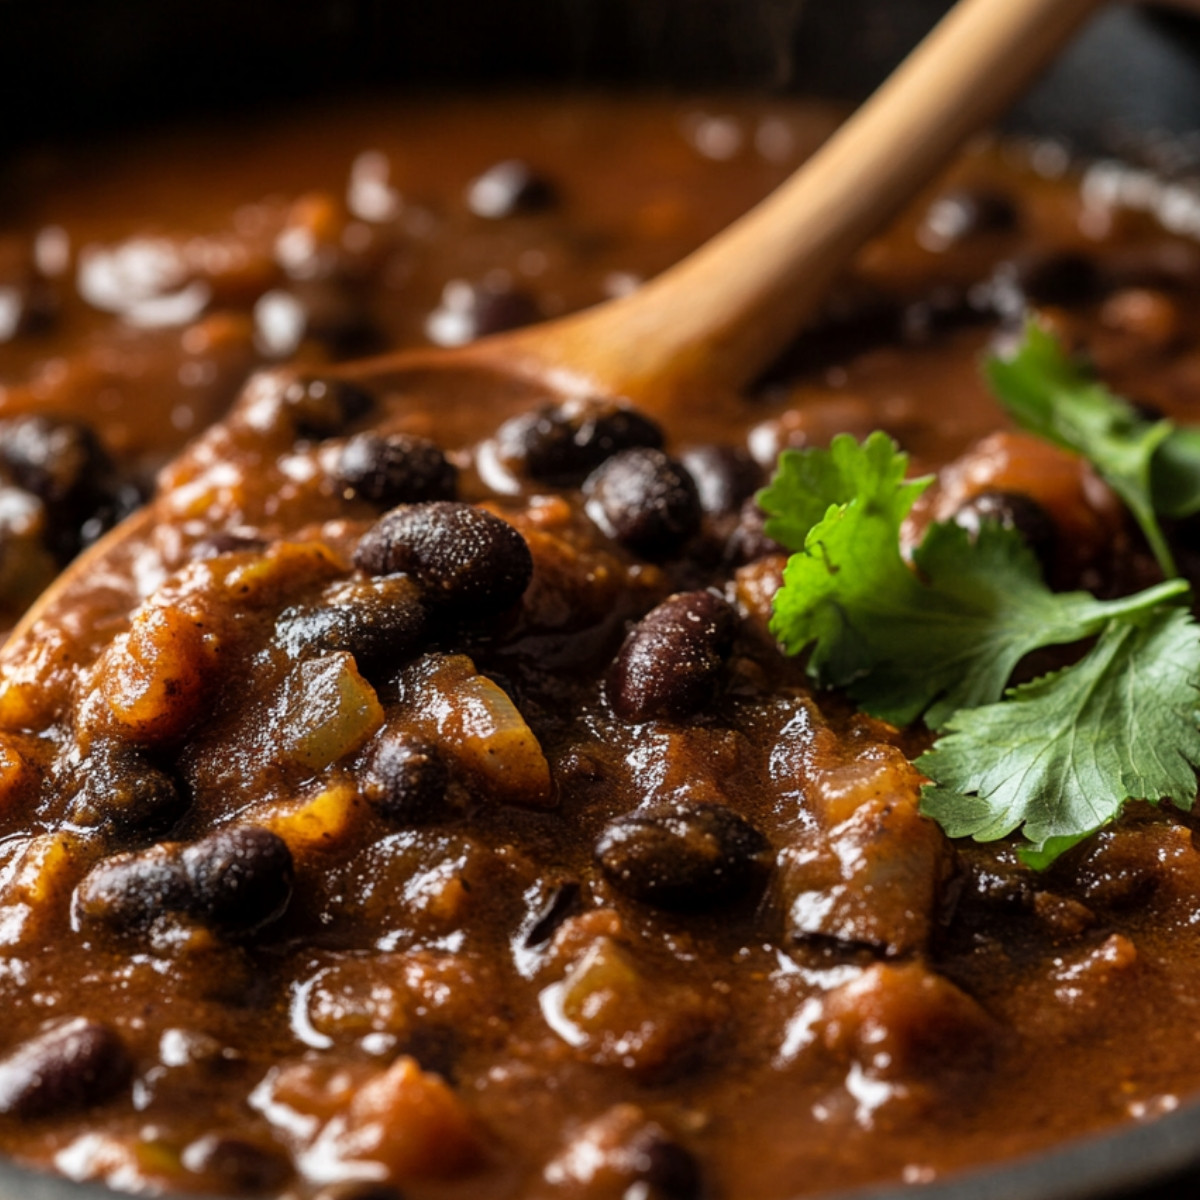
748	542
321	408
509	188
671	662
381	621
399	468
967	212
560	444
127	891
473	564
1012	510
557	903
123	790
406	778
664	1167
683	859
473	310
69	1066
237	1164
1062	278
59	460
241	878
645	500
725	476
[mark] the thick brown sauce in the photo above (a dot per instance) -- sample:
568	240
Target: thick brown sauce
944	1006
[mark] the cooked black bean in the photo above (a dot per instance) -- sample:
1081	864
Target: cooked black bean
1013	510
664	1167
560	444
127	891
468	311
671	662
966	212
399	468
406	778
558	902
73	1064
236	1164
509	188
60	461
122	789
241	878
474	563
749	541
683	858
381	621
320	408
1061	278
645	500
724	476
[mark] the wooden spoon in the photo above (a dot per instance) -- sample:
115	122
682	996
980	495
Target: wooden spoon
705	328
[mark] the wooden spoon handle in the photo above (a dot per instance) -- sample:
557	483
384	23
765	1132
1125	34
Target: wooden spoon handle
717	318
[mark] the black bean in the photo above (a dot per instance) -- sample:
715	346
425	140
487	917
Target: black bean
473	563
381	621
58	460
123	790
966	212
469	310
127	891
558	902
69	1066
749	541
644	500
668	1171
1012	510
406	778
320	408
683	859
1061	278
509	188
400	468
241	878
725	476
237	1164
671	662
560	444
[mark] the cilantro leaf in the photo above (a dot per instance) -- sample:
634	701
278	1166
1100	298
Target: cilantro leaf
807	482
947	635
1175	474
1048	395
1062	754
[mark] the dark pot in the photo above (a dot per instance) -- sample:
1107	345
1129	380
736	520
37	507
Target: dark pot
1129	85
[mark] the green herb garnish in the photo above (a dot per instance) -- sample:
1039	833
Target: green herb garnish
940	637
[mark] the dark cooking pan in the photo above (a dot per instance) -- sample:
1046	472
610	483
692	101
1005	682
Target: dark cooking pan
1130	86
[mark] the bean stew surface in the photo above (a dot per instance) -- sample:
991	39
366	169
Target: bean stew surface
419	806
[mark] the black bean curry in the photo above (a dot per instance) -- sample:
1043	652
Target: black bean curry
418	805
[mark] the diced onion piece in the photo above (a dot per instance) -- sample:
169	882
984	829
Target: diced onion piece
328	711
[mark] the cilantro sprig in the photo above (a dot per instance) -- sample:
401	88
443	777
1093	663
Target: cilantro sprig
940	636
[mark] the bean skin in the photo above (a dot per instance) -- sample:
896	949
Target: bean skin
241	878
683	859
397	469
508	189
70	1066
125	792
321	408
670	664
471	562
560	444
645	500
127	891
725	476
406	778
